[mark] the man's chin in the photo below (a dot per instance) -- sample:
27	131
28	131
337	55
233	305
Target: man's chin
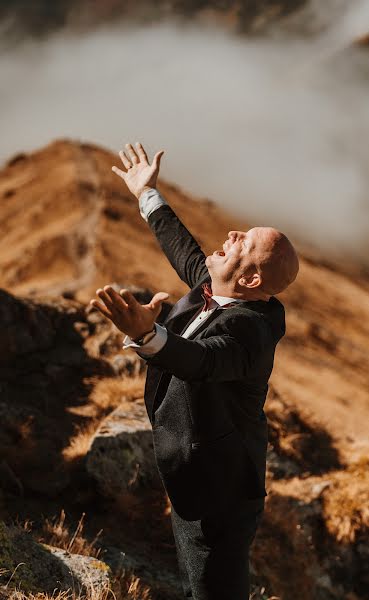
209	262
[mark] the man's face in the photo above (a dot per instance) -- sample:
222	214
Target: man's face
236	257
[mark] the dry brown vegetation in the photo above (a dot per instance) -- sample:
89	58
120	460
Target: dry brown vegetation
130	588
57	533
345	504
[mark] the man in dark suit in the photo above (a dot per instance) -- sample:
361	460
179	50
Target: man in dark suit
208	369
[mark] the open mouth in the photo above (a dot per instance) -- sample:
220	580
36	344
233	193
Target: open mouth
219	253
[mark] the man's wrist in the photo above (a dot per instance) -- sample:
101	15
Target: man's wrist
149	201
146	188
144	338
150	348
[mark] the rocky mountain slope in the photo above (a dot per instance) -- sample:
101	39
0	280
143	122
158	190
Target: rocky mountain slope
68	226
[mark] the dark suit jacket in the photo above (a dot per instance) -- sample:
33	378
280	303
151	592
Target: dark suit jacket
205	395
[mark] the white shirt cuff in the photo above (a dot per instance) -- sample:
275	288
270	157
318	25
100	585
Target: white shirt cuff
150	201
152	347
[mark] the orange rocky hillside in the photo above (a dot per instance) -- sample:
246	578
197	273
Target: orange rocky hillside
69	225
74	437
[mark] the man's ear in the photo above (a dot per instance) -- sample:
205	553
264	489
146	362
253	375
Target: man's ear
253	280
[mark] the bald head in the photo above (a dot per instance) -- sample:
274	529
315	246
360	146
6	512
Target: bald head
253	264
274	257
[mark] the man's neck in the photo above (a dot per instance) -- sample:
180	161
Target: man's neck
247	295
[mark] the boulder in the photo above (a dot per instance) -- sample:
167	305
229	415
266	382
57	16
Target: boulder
28	326
34	567
88	573
121	457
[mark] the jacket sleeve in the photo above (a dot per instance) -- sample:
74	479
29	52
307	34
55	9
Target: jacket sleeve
227	357
181	249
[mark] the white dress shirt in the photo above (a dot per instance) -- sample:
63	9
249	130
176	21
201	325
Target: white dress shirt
150	201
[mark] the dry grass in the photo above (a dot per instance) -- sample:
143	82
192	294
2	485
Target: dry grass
260	594
128	587
109	393
80	443
345	504
133	589
59	595
57	533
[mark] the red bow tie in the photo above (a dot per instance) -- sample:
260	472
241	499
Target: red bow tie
207	296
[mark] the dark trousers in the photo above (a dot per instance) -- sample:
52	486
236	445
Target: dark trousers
213	553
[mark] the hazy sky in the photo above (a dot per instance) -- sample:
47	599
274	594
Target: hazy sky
277	130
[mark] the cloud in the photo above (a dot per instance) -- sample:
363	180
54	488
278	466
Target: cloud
275	130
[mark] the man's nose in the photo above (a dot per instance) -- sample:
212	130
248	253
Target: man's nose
235	235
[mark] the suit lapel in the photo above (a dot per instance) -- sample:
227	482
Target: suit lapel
192	300
203	325
181	322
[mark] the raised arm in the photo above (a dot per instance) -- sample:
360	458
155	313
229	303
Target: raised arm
179	246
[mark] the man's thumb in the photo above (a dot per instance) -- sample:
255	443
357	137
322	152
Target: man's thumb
156	160
157	301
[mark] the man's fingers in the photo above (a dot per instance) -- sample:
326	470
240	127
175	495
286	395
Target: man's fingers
157	159
116	299
141	153
104	297
129	298
101	308
119	172
132	154
126	162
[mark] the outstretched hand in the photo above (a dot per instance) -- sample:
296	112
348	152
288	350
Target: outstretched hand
139	174
131	317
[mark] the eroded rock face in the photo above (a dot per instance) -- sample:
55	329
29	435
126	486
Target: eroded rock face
28	327
52	352
41	361
41	568
121	458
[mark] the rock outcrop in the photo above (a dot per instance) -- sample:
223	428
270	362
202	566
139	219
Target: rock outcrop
121	458
33	567
41	360
52	353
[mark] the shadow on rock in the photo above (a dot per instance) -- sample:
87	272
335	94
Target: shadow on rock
302	446
34	567
43	364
